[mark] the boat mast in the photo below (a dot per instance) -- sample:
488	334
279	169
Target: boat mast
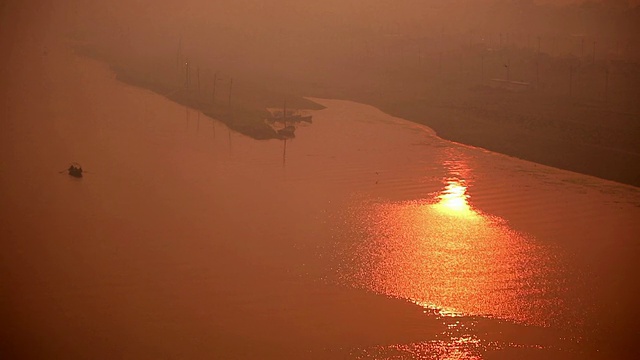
284	114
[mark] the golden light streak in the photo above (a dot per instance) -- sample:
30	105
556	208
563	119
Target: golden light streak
444	254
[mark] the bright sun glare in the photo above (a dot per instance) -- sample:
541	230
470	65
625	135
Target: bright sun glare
454	199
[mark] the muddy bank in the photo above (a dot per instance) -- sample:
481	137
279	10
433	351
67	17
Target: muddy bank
577	134
244	112
553	142
588	138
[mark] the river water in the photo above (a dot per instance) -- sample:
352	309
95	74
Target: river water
366	236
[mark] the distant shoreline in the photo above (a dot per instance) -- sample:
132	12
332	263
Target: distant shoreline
573	137
501	132
245	117
542	146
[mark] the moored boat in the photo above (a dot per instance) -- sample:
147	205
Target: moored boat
75	170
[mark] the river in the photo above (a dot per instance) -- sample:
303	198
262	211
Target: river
366	236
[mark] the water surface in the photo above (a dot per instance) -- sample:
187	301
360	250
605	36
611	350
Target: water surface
365	237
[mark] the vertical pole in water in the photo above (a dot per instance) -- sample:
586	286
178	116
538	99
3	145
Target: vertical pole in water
178	60
213	93
482	71
284	153
284	114
570	80
606	86
538	72
508	71
186	74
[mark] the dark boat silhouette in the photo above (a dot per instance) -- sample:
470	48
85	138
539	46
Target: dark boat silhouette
287	131
292	118
75	170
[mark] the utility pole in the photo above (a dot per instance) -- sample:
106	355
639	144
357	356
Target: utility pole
606	86
538	73
538	45
508	66
178	54
482	71
570	80
213	93
198	74
230	87
186	80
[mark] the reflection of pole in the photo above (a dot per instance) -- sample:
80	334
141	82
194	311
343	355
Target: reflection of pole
284	153
606	86
186	80
178	53
230	87
508	66
570	80
198	74
482	71
538	73
213	94
186	113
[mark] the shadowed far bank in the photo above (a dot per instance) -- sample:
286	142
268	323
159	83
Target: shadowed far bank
243	108
553	84
576	134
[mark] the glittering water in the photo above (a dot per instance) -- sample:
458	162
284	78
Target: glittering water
364	237
442	253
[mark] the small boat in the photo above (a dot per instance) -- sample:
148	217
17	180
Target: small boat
75	170
287	131
295	118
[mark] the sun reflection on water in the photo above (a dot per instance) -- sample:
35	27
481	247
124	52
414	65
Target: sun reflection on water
444	254
453	200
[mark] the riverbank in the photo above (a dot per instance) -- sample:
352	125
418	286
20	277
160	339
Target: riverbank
572	133
244	110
